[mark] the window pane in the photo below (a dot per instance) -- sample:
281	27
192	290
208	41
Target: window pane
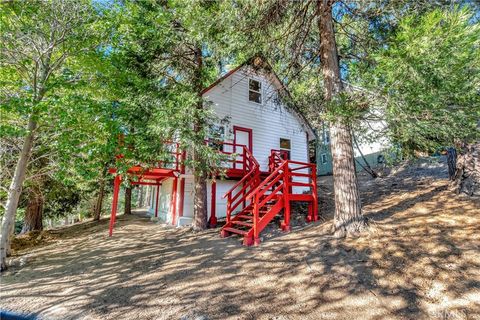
284	144
254	85
254	96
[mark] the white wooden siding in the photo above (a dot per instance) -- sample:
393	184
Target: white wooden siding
269	122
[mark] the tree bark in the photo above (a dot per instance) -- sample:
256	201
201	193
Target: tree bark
33	220
14	192
200	214
451	162
98	205
128	201
348	218
467	174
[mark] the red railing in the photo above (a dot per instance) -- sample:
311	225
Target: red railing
175	155
251	179
238	159
276	158
277	188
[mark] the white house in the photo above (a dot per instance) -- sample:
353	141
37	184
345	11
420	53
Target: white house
262	130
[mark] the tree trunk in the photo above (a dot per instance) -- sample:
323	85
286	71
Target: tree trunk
200	207
452	162
14	192
33	220
98	205
128	201
200	181
348	218
467	175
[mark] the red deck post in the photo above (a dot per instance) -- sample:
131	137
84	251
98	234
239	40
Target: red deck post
173	202
256	231
315	195
182	197
156	200
213	218
287	189
116	188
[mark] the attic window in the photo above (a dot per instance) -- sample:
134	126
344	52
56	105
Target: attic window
254	91
285	146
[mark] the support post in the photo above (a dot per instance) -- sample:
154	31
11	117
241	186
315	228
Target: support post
156	201
286	198
182	197
213	219
315	195
173	202
256	232
116	189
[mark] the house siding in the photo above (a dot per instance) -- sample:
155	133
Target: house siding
268	121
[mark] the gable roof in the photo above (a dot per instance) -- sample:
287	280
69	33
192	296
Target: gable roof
259	63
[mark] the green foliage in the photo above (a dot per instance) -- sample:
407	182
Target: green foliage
429	73
52	68
156	80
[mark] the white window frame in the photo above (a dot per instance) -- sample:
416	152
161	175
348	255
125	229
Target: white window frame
260	91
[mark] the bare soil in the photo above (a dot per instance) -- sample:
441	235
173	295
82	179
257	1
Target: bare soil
420	260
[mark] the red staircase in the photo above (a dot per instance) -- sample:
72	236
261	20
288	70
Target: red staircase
262	200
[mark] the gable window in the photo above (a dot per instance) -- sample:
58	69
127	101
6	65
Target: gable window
324	158
285	145
254	91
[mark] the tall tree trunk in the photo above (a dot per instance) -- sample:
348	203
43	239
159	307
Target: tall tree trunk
99	203
348	218
200	179
33	220
128	201
14	192
467	174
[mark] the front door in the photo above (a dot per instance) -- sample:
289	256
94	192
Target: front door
241	137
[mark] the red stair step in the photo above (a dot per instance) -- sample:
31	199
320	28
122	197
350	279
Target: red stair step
244	216
242	223
233	230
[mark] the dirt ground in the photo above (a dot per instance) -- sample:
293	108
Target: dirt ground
421	260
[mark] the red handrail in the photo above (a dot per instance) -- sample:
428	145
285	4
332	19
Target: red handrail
276	157
267	179
248	182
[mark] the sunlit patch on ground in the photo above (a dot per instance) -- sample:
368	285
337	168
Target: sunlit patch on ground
421	260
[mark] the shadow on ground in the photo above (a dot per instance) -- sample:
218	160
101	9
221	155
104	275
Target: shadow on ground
420	261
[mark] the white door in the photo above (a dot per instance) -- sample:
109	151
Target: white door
242	137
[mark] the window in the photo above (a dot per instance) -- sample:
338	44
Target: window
324	158
216	137
254	91
285	145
